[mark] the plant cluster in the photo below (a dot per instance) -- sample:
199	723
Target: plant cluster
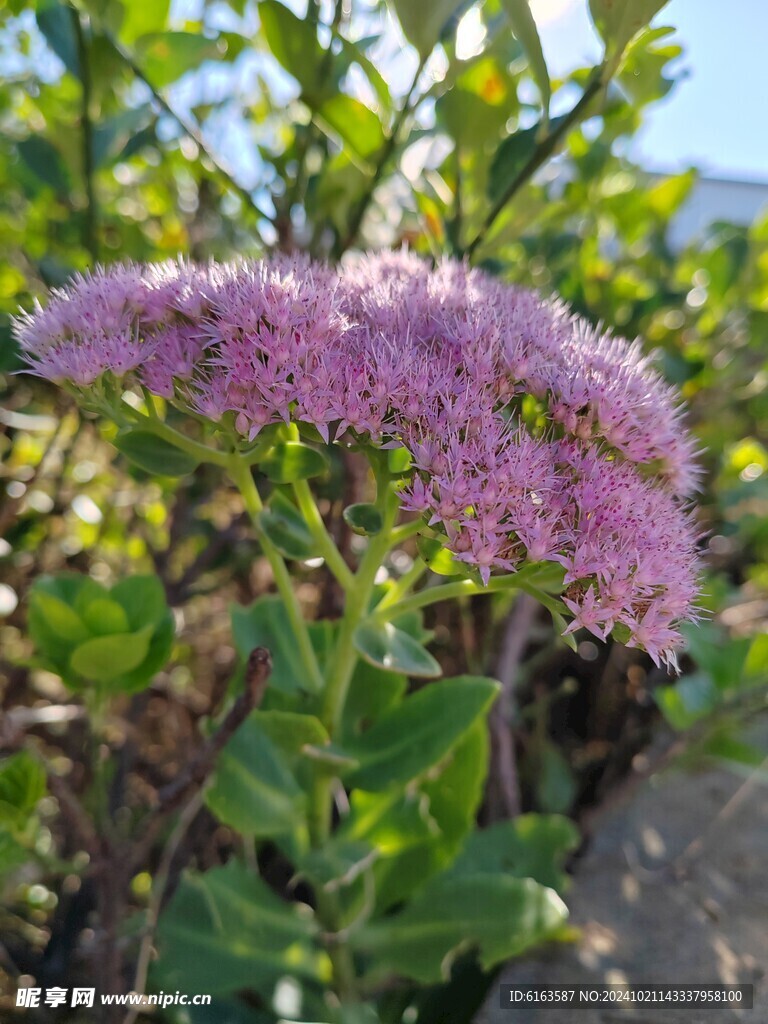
530	437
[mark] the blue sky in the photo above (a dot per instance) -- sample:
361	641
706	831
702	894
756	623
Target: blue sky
717	116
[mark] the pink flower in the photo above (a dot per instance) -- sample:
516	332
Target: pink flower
390	351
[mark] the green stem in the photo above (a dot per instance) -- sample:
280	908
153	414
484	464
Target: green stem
358	598
458	588
355	610
96	705
199	451
403	586
241	476
404	532
323	539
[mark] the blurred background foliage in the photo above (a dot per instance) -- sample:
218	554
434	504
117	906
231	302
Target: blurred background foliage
220	129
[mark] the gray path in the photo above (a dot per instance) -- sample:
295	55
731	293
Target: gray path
673	889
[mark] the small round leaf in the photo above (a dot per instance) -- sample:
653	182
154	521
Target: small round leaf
385	645
105	658
363	519
292	461
153	454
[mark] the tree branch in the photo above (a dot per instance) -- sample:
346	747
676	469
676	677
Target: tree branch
90	231
503	783
256	677
386	152
190	129
540	155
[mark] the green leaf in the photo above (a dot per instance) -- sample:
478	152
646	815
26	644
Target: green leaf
338	863
382	644
112	135
687	701
722	657
104	659
393	821
756	663
420	732
544	576
666	198
67	610
439	559
160	647
524	27
478	106
22	787
253	790
353	54
531	846
363	519
225	930
423	22
304	745
372	691
509	159
88	591
153	454
341	184
512	156
55	22
739	756
286	527
357	126
45	162
265	624
166	56
642	67
550	777
142	598
293	42
399	461
58	597
418	831
56	617
618	21
142	19
12	853
286	463
291	732
500	916
103	617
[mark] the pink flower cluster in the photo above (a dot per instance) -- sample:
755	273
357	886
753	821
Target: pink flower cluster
533	435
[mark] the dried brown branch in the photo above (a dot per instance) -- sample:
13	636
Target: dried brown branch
256	678
503	799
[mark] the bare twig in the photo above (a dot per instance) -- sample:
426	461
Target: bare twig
187	790
159	887
725	814
677	745
75	814
256	677
504	786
